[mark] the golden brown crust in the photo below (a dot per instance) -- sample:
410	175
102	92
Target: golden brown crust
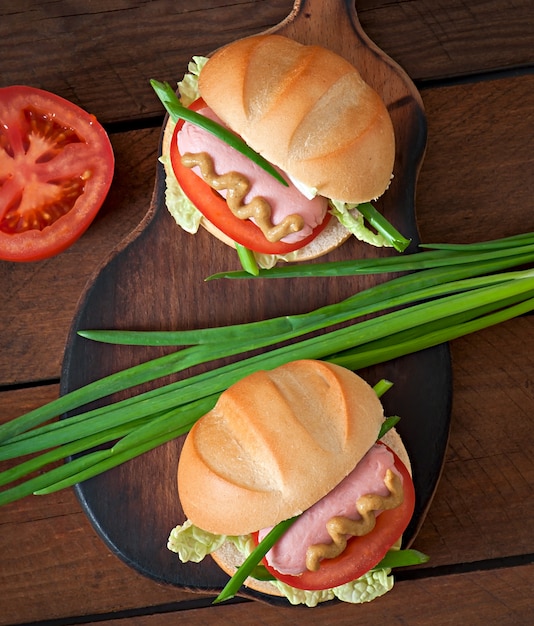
305	109
276	442
393	440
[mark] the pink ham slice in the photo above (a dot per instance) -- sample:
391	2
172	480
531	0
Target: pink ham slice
288	555
283	200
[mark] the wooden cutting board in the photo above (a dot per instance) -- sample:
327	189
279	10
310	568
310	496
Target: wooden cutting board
155	281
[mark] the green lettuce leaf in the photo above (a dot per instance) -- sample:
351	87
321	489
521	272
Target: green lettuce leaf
191	543
188	86
353	221
184	212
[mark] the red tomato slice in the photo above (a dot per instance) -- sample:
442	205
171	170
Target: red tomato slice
361	553
56	167
214	208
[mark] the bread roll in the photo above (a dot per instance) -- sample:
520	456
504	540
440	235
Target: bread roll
305	109
276	442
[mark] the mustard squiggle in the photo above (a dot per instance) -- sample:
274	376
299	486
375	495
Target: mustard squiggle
341	528
237	186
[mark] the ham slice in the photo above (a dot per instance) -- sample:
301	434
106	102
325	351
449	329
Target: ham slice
283	200
288	555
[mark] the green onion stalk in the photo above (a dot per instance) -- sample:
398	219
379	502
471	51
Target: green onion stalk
447	292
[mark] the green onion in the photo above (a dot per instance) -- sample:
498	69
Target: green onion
382	386
413	312
245	570
177	111
247	259
380	223
396	292
260	572
387	425
402	558
230	340
518	249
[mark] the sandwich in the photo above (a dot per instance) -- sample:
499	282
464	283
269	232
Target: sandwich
299	445
310	115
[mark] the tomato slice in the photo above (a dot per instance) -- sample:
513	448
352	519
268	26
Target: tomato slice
214	208
361	553
56	167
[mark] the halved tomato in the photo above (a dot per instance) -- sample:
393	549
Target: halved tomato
361	553
215	209
56	167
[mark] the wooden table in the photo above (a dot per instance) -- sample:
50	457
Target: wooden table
473	65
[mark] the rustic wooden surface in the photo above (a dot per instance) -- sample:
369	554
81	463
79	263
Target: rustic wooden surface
471	62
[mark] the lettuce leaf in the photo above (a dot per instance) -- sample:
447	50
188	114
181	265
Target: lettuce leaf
184	212
353	221
188	86
191	543
366	588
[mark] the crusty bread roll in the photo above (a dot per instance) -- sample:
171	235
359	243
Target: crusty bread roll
276	442
306	110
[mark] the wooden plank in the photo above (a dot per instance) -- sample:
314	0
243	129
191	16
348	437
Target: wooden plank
432	40
483	500
94	57
489	598
468	125
43	541
57	567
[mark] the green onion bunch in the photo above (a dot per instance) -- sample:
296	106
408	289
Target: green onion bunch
446	292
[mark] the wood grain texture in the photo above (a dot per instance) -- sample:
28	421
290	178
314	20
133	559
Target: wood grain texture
495	598
101	55
451	39
479	163
52	563
476	180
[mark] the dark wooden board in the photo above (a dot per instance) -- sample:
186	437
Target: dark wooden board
155	281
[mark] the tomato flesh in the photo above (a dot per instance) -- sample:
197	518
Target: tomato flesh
56	167
215	209
361	553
